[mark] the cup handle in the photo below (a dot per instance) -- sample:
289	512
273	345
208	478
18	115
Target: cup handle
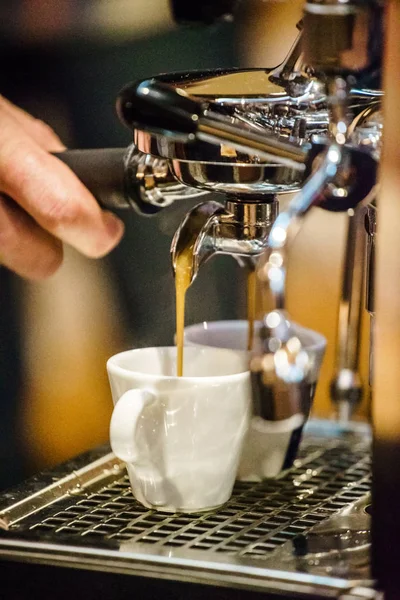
124	422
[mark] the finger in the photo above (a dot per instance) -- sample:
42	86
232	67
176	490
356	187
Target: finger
24	246
38	130
48	190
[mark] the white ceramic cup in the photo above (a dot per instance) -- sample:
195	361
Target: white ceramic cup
270	446
180	437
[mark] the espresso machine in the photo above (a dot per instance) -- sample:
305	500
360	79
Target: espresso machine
311	128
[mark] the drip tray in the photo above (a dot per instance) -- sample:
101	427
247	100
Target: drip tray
83	514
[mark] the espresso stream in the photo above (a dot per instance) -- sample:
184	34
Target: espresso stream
183	275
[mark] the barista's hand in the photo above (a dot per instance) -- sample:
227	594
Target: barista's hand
49	204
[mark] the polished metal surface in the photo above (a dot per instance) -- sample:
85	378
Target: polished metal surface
370	225
253	97
244	227
366	130
45	489
277	343
251	129
153	181
233	136
84	515
334	183
195	232
370	222
254	133
237	178
292	106
258	519
239	229
346	386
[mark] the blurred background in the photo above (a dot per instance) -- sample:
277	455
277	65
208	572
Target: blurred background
64	62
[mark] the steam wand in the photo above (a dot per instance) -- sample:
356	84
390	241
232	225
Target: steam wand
283	357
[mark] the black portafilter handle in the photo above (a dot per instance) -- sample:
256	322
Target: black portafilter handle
158	107
102	171
106	173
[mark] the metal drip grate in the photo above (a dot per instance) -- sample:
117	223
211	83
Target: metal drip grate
258	518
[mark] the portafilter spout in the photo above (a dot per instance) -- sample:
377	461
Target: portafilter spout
194	234
239	229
